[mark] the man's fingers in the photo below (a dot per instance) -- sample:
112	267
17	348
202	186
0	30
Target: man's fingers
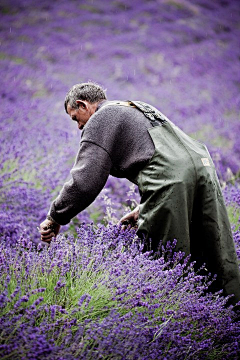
126	222
125	219
46	231
46	228
126	225
47	236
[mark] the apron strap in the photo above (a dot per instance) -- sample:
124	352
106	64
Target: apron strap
154	115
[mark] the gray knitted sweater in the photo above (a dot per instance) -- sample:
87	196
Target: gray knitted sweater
115	141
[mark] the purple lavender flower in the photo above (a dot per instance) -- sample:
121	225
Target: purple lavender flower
59	285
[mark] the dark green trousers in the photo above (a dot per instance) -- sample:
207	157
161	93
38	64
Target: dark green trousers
181	199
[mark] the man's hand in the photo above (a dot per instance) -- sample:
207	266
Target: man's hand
130	220
48	230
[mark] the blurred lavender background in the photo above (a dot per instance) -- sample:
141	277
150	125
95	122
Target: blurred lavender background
180	56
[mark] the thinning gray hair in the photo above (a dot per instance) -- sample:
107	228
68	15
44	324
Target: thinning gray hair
89	91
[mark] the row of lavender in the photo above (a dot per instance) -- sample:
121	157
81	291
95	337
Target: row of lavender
182	57
99	297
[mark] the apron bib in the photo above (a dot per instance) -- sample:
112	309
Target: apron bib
181	199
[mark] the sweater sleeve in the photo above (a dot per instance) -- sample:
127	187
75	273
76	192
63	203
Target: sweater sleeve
88	177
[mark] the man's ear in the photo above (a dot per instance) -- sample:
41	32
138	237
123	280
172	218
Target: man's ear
81	103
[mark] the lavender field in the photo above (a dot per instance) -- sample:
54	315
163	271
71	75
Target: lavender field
93	294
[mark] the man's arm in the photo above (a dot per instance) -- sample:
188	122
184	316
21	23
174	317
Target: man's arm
88	177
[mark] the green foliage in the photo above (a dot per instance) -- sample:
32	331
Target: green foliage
234	216
47	275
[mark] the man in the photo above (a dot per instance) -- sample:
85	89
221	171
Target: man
180	193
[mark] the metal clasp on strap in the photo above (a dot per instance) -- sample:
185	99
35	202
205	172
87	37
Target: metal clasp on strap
119	102
155	116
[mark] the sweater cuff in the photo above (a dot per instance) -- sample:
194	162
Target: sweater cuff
56	219
52	220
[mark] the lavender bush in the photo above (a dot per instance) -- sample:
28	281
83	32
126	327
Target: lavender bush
100	297
93	294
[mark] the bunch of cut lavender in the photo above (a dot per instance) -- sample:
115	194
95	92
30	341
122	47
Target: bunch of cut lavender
98	296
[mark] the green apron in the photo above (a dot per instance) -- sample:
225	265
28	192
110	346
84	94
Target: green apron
181	199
